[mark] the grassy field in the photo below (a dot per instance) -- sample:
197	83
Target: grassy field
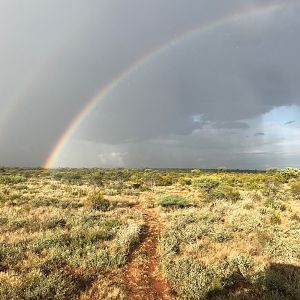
149	234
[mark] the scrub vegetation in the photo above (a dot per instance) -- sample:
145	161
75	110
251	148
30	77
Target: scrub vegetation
149	234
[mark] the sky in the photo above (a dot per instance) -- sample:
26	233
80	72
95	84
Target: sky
183	84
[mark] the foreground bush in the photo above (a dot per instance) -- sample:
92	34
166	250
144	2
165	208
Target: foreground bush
195	280
36	285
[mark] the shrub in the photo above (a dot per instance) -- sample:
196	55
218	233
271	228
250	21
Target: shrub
44	202
11	179
185	181
97	202
196	280
136	185
164	180
271	171
275	218
35	285
295	189
55	222
49	240
207	183
283	281
174	201
9	255
103	258
272	186
222	192
192	279
222	236
295	217
129	236
289	173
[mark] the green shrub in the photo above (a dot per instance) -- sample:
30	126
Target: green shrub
44	202
136	185
54	222
48	240
272	187
289	173
282	281
194	280
207	184
25	223
271	171
295	189
3	221
222	192
96	201
129	236
295	217
164	180
9	255
275	218
222	236
59	285
264	237
174	201
185	181
11	179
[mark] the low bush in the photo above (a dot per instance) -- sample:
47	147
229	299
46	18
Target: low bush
295	189
222	192
54	222
96	201
174	201
289	173
281	281
11	179
275	218
185	181
207	184
195	280
44	202
34	285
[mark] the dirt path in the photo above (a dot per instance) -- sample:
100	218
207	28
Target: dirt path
141	273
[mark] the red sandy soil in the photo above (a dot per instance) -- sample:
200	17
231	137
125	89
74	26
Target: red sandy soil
142	276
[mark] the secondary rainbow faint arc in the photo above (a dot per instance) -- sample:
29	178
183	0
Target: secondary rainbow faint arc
109	87
20	93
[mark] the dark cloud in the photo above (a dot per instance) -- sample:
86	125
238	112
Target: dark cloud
180	109
259	134
67	50
232	125
219	76
290	122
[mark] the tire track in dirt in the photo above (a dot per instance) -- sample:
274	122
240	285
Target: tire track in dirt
143	280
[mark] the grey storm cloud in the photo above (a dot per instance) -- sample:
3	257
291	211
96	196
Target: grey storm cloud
190	99
67	50
220	76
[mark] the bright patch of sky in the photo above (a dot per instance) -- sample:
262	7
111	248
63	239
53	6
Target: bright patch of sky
284	115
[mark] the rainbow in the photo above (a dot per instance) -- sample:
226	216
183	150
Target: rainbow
148	57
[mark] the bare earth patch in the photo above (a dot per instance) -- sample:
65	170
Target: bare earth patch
142	275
